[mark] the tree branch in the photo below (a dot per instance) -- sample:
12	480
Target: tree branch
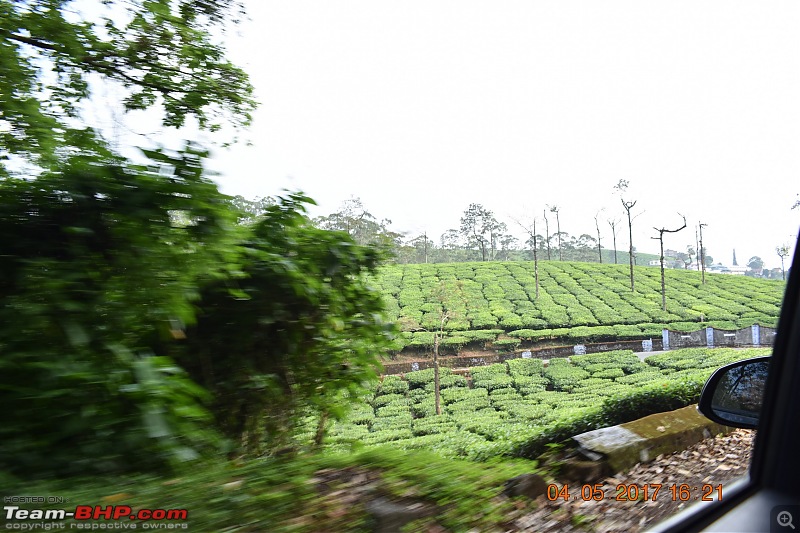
664	230
103	66
31	41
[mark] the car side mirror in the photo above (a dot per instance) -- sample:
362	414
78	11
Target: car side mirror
733	394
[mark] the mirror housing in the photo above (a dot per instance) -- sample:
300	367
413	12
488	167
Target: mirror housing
733	394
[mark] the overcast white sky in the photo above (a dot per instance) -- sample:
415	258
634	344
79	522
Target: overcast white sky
422	107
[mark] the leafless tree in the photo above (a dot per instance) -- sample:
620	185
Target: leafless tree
783	251
613	223
554	209
702	252
597	227
547	234
530	229
660	238
622	187
697	248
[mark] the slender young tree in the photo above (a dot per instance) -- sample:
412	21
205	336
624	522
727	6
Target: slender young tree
702	253
660	238
697	248
530	229
628	205
782	251
691	252
554	209
597	227
547	234
613	223
535	259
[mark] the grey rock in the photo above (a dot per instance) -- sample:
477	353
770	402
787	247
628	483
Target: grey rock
529	485
583	471
389	517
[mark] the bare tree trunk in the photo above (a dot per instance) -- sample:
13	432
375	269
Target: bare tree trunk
558	228
697	249
436	397
532	234
613	224
535	260
660	238
663	284
702	254
599	248
547	236
628	206
615	246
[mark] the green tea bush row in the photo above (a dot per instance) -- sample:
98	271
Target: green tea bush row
433	424
564	377
390	411
492	382
419	378
446	382
574	295
386	399
393	385
511	413
362	415
525	367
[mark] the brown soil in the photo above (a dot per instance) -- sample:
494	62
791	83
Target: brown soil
711	462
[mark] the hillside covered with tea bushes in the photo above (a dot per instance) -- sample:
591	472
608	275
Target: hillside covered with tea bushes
520	406
495	303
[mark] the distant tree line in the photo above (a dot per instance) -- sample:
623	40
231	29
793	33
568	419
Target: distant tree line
480	236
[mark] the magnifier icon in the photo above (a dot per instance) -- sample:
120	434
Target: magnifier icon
785	519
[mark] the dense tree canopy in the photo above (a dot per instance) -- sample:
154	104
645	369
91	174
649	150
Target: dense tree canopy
109	265
94	274
55	53
354	219
303	327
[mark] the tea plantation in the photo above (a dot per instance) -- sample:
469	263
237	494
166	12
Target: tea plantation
519	406
495	302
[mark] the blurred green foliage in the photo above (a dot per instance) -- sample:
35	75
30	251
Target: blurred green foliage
123	288
300	329
145	317
311	493
51	49
93	274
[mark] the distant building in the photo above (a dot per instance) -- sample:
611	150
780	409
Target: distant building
774	273
734	270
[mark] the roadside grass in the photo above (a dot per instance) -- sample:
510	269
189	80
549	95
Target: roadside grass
309	493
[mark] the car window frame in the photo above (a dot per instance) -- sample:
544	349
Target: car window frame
775	465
